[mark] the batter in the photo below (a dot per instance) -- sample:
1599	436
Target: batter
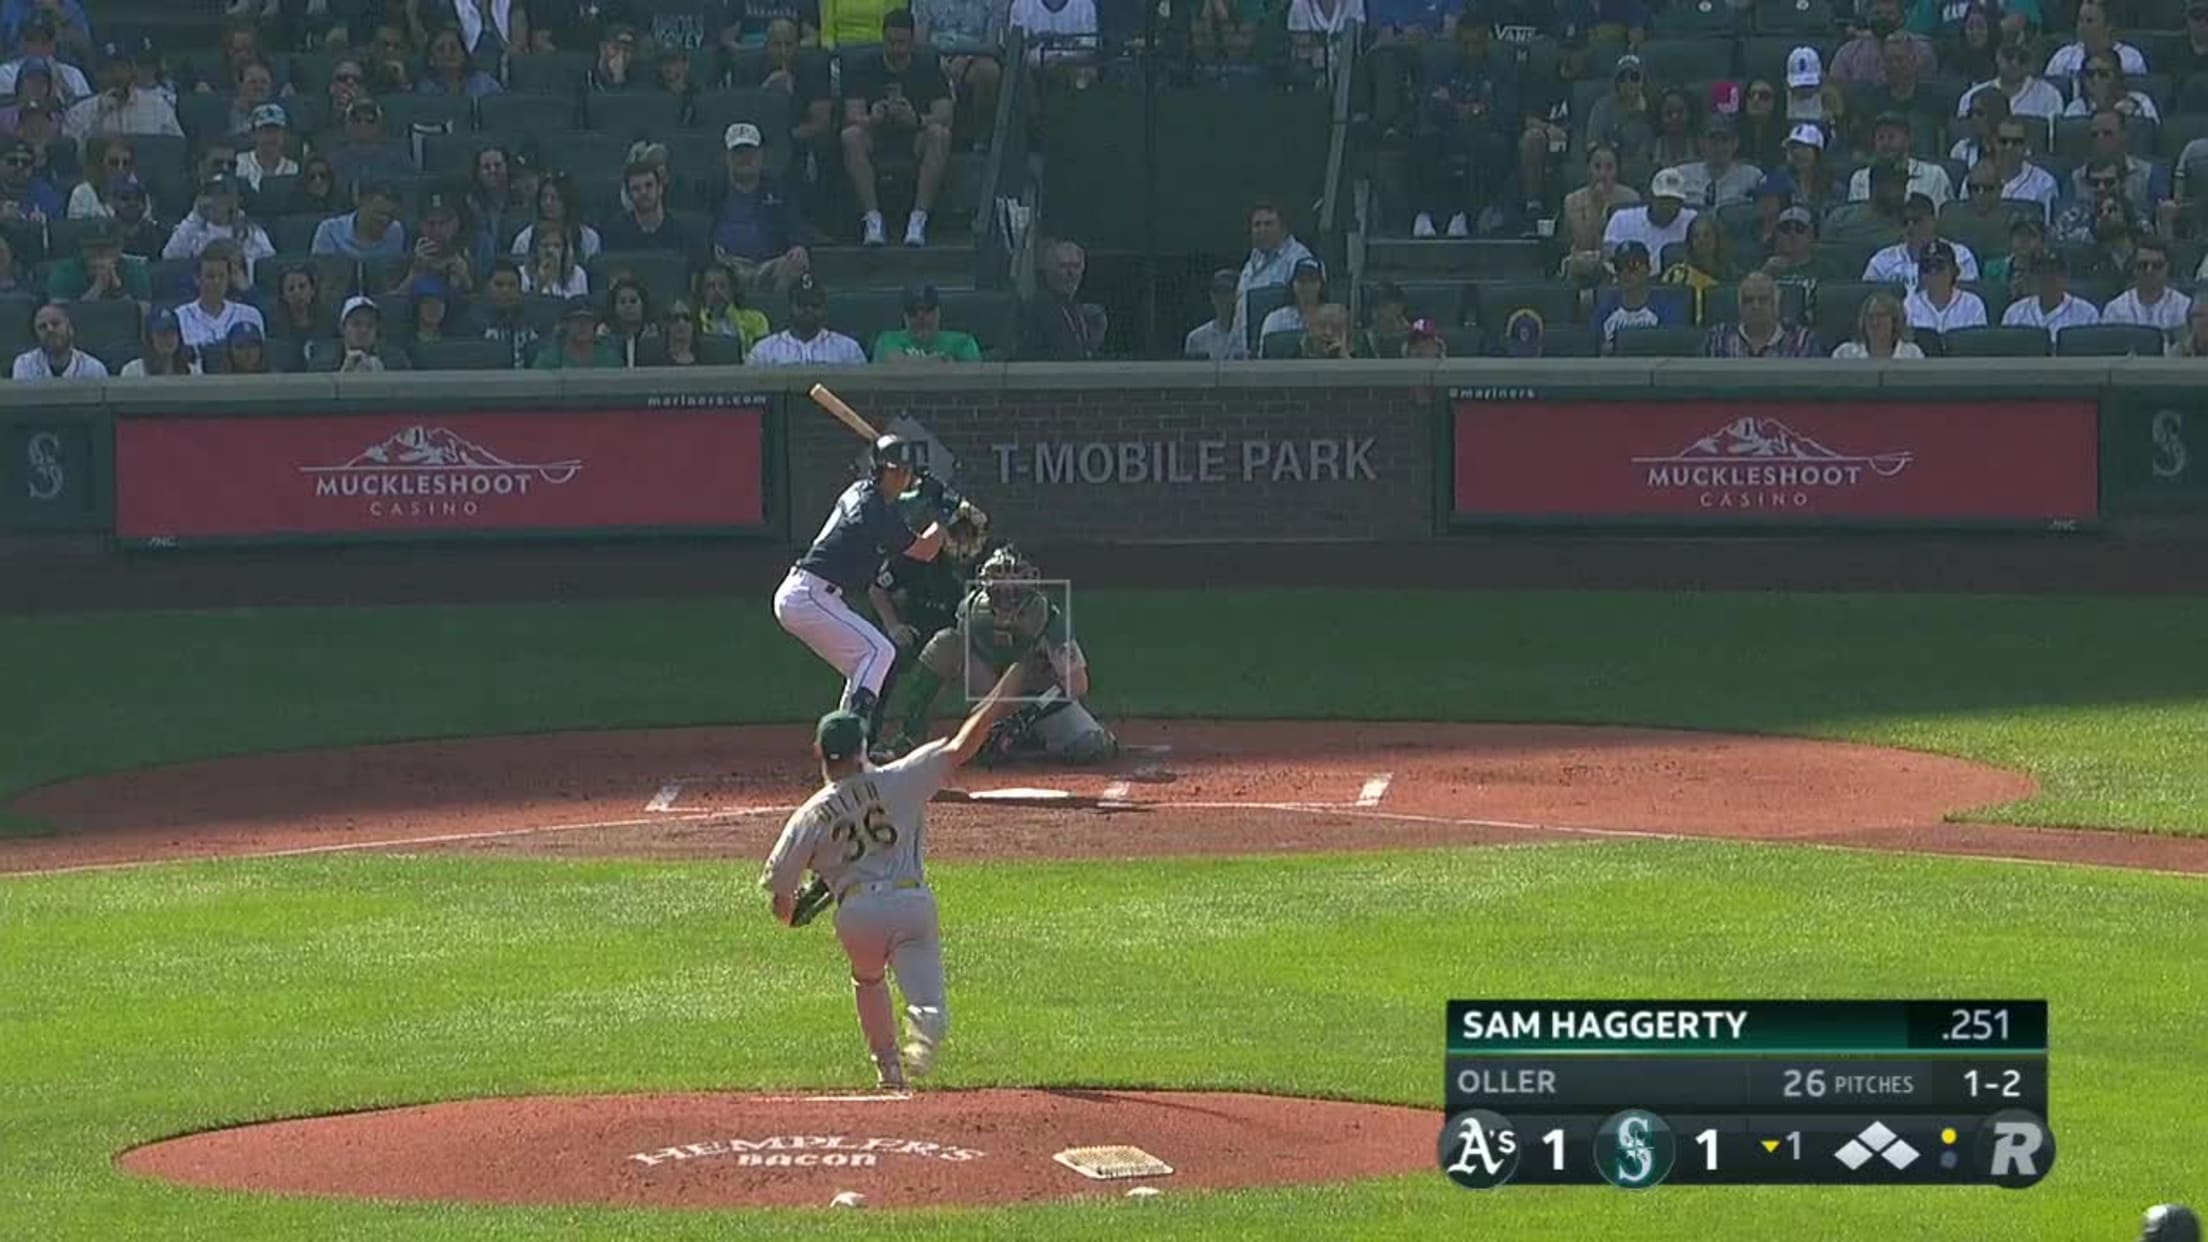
862	836
813	602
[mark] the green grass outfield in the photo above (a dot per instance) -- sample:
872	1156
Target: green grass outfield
146	1002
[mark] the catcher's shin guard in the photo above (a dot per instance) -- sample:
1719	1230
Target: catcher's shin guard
867	706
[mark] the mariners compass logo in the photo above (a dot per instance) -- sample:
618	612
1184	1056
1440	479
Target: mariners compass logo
426	471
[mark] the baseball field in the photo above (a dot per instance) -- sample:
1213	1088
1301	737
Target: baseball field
337	951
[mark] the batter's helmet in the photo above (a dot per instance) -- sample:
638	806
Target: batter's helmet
901	451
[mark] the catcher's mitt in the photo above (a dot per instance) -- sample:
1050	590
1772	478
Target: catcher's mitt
967	533
811	900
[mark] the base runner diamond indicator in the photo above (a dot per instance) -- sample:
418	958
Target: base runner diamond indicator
1853	1154
1901	1155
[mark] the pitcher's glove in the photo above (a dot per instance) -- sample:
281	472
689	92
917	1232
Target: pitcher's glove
811	900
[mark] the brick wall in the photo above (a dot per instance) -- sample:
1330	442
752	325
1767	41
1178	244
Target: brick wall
1156	465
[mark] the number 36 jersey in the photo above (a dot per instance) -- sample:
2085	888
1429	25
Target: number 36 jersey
864	828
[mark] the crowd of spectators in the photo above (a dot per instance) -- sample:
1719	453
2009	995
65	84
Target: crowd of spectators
287	196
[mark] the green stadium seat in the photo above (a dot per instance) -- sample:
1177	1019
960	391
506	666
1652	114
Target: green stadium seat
555	73
714	111
1660	343
991	316
401	113
720	351
1570	341
589	153
461	354
1496	301
864	314
2074	136
452	156
633	114
536	114
1996	342
1810	20
1996	297
1258	303
2109	340
203	113
116	320
1442	301
1677	61
2178	131
1692	20
1282	345
1838	304
337	276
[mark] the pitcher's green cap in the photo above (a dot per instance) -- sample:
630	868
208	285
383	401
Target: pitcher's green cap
840	735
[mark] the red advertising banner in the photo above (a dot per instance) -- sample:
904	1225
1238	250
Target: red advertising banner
1749	463
193	477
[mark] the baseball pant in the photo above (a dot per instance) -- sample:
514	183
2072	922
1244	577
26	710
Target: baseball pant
894	930
813	609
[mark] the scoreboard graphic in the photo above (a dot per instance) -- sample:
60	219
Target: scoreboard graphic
1637	1094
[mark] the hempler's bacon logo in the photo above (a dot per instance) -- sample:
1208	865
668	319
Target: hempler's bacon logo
1764	452
434	462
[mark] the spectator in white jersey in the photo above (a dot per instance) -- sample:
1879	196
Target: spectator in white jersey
808	341
2150	301
56	355
2053	306
1937	305
206	320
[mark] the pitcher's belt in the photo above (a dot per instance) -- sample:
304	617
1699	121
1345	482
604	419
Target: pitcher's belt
875	886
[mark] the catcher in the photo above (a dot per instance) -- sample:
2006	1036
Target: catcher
915	600
1004	623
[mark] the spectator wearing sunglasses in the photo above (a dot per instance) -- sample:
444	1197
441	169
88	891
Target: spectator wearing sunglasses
2101	86
1623	120
1794	255
1937	305
1898	263
2096	36
2052	306
2102	210
2150	302
24	195
2020	178
2028	93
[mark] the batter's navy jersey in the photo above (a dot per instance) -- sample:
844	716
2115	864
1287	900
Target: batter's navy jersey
863	528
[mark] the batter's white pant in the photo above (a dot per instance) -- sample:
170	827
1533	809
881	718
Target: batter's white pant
884	927
813	609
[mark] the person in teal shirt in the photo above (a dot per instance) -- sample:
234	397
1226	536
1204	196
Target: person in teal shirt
578	346
922	336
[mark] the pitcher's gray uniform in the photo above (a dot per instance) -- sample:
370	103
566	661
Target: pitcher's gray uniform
863	835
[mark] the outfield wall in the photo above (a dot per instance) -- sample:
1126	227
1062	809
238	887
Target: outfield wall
1119	452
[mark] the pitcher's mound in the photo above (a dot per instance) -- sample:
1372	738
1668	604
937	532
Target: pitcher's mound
939	1148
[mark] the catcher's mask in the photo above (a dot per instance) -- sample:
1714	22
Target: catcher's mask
1005	576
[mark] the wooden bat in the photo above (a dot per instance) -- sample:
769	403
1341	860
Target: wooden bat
829	401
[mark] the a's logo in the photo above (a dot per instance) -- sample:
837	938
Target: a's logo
809	1151
2171	458
1763	463
1634	1149
42	453
1479	1149
433	472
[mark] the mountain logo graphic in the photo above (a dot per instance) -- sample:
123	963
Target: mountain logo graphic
1767	441
423	449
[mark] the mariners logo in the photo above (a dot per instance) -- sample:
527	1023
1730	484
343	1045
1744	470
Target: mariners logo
1479	1149
1634	1149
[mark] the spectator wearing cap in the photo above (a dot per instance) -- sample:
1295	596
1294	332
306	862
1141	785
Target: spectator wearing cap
1794	255
1424	340
502	313
1774	194
1463	150
215	215
1897	264
1628	305
207	318
2096	29
1607	21
2028	93
923	337
1890	144
615	69
2150	302
808	341
449	70
161	350
1621	118
98	272
36	91
1805	165
1274	254
1718	179
2020	177
121	107
894	99
141	233
1661	222
1214	338
1807	98
1881	332
270	132
755	222
1551	116
38	53
2102	210
1760	333
1587	211
364	153
721	311
24	195
1306	292
245	351
2052	306
647	225
56	355
1861	61
371	230
38	122
1937	305
360	341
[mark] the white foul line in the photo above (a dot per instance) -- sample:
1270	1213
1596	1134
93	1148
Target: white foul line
1117	791
665	799
1375	789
